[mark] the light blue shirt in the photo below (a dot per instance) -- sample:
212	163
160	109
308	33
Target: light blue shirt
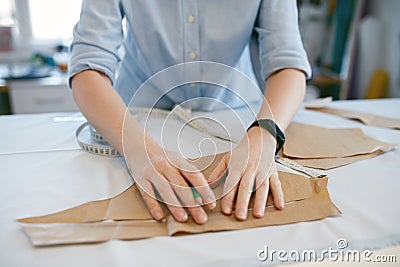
162	33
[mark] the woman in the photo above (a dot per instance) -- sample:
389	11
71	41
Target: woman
163	33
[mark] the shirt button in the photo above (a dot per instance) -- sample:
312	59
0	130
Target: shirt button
190	19
192	55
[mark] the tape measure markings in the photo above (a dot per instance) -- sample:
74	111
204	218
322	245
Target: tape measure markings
297	167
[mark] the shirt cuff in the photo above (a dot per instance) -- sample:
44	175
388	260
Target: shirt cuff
85	57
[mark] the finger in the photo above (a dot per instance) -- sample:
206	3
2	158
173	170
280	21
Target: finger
148	195
245	191
186	195
260	200
180	186
168	196
198	214
276	190
229	192
219	171
196	179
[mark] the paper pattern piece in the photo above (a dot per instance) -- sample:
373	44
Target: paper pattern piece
363	117
325	148
330	163
125	216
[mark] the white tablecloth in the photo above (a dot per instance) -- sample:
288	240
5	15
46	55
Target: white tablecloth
43	171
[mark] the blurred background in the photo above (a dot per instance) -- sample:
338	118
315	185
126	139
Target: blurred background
353	46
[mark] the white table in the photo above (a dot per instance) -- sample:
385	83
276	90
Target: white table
43	171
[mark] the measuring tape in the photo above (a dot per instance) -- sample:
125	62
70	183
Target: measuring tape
297	167
99	146
185	115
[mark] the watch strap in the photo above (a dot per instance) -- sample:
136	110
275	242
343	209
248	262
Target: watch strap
271	127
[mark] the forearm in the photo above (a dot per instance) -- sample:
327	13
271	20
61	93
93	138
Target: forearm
251	164
284	94
103	107
149	166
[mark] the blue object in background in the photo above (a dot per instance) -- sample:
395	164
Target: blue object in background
344	16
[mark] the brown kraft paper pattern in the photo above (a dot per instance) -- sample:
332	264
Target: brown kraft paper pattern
125	216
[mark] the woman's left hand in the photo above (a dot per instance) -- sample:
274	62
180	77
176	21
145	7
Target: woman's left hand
251	167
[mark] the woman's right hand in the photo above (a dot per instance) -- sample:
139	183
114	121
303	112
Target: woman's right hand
165	176
154	169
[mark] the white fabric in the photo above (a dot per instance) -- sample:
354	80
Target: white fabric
41	182
42	132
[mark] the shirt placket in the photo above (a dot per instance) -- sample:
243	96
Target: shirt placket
191	42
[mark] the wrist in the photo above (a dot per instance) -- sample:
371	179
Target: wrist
268	126
266	136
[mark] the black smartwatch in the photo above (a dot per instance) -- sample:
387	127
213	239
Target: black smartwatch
271	127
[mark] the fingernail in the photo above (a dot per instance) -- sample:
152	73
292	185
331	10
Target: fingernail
259	212
202	218
241	215
158	215
182	216
211	203
199	201
227	210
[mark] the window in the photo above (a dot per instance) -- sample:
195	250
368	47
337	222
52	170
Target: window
53	19
40	21
6	26
6	13
36	25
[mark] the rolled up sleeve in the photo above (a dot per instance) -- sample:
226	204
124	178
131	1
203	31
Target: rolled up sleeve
280	44
97	38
